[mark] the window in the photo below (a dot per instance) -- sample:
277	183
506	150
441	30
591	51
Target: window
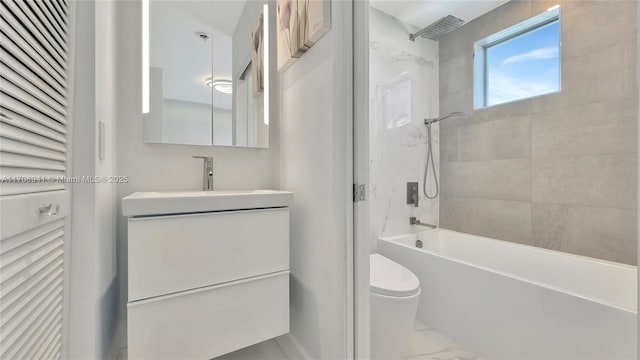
520	62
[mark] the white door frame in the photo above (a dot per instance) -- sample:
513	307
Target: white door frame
638	159
66	295
361	236
361	229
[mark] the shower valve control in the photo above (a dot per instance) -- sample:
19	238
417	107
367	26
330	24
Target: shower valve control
412	193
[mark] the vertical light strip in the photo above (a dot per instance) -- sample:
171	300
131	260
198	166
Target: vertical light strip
265	26
145	56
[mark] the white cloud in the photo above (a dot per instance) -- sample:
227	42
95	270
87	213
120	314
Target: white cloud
503	88
537	54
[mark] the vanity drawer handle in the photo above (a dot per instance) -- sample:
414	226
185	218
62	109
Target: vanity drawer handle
50	209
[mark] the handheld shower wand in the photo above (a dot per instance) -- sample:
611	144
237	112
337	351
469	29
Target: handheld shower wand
430	122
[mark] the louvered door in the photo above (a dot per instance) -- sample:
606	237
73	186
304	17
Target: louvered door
34	199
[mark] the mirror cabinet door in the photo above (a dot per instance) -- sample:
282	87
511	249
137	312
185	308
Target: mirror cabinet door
208	78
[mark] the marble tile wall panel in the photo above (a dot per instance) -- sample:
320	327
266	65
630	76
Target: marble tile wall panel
403	92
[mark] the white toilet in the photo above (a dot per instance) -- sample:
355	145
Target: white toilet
394	292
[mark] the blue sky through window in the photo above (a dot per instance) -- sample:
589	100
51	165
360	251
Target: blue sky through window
525	66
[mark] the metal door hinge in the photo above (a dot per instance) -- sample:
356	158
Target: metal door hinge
359	192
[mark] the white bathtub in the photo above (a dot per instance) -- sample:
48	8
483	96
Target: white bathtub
510	301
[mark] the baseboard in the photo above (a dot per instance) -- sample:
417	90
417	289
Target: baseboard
292	348
119	342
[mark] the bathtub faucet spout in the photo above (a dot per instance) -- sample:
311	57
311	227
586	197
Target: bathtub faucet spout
414	221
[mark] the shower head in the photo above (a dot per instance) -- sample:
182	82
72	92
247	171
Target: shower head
453	114
439	29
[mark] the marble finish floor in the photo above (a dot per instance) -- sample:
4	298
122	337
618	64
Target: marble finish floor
426	344
268	350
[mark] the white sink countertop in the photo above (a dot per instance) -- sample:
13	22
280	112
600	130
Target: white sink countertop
180	202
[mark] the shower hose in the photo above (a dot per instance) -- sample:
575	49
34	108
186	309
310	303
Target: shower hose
426	168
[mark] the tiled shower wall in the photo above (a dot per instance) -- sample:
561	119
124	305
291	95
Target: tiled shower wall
557	171
403	90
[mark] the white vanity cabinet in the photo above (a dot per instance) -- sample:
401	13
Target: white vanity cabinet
206	283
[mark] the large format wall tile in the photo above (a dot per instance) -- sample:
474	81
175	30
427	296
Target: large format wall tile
611	73
495	140
586	22
497	219
605	233
448	146
597	76
457	101
456	74
539	6
498	179
595	180
506	110
600	128
458	42
463	101
507	15
571	155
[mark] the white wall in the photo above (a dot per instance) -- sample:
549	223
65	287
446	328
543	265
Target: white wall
157	167
93	287
316	164
222	126
186	122
638	159
403	87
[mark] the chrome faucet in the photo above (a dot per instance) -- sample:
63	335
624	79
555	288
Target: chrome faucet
207	178
414	221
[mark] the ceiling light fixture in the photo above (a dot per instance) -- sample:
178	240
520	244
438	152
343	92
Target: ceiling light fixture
203	35
220	85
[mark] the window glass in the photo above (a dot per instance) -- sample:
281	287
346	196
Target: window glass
524	66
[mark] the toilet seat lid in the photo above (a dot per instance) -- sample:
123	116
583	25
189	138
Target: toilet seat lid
389	278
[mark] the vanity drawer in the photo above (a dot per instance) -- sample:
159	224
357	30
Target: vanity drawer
209	322
168	254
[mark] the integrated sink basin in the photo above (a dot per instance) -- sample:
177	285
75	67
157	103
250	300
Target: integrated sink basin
180	202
